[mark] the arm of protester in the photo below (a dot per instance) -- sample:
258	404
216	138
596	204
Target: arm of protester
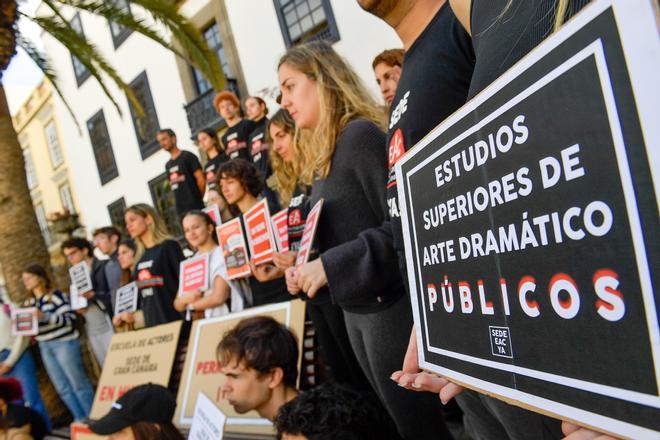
575	432
412	378
182	301
461	10
218	296
201	181
265	272
62	314
368	264
311	276
292	281
89	295
15	352
284	260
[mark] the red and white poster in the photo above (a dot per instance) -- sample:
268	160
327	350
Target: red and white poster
194	274
234	249
24	321
281	228
260	233
307	239
214	212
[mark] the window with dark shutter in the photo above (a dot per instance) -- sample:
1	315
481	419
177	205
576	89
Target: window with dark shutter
163	199
116	210
120	33
100	139
146	126
79	70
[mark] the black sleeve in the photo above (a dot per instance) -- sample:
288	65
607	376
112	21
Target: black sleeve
369	263
173	256
192	163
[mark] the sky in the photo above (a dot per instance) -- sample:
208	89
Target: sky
22	75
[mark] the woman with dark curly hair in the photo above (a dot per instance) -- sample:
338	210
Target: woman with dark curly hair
241	186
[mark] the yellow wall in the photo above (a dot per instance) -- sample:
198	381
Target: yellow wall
34	120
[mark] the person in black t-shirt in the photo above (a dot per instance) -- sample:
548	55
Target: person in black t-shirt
184	173
157	269
208	141
438	67
235	139
342	128
257	110
387	68
241	187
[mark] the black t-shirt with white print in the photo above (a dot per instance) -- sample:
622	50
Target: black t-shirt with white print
434	83
299	208
181	174
235	140
211	168
157	275
259	148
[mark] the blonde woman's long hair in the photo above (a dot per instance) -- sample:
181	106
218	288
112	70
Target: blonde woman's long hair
286	174
342	98
157	227
561	8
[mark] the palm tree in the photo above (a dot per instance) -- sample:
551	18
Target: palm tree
21	242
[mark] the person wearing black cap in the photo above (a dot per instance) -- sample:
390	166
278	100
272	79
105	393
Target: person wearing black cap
145	412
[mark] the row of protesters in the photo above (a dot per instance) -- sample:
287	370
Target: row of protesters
59	342
98	313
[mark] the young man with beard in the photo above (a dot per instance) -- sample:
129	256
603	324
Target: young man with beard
259	359
184	173
235	139
438	66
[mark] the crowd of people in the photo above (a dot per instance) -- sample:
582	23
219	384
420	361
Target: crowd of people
331	140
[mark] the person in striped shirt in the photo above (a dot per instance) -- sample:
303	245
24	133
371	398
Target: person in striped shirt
59	342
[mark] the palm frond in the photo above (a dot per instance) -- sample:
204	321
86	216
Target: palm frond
117	15
43	64
88	55
207	62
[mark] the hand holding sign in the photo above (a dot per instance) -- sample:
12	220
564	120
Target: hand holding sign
126	299
260	233
24	321
311	276
81	278
194	275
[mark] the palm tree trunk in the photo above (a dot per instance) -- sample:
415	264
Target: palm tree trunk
21	242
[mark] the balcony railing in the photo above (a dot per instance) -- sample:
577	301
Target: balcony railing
202	114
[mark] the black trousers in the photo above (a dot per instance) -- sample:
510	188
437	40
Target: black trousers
335	347
380	341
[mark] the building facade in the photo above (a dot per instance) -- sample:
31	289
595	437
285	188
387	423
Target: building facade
117	161
46	166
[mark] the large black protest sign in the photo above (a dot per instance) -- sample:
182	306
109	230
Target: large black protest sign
531	224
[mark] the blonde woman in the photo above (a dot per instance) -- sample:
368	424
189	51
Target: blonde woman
343	130
157	268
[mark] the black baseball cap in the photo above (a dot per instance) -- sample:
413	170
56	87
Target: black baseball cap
145	403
